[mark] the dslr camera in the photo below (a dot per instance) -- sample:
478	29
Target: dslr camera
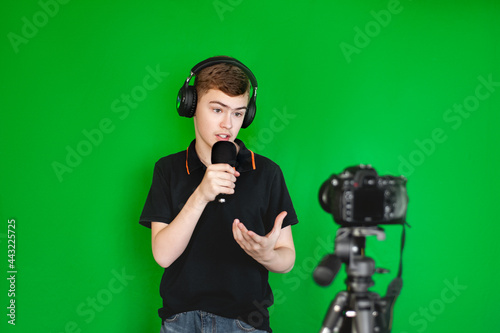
360	197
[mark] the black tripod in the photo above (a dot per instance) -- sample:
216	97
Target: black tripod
356	310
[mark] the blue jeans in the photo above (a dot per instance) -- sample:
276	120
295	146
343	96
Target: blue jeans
204	322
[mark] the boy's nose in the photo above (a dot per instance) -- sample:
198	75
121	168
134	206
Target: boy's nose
226	122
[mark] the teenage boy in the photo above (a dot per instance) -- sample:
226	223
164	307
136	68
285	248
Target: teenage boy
217	255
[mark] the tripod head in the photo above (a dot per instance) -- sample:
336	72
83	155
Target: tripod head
350	243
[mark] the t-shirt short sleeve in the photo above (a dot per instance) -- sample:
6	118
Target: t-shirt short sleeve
158	206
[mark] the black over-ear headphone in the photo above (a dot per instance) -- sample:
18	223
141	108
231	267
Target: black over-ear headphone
187	98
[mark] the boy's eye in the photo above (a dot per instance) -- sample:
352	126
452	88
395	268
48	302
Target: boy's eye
216	110
239	114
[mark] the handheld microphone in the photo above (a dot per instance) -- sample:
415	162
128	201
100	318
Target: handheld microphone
223	152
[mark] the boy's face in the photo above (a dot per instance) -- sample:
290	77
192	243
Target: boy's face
218	117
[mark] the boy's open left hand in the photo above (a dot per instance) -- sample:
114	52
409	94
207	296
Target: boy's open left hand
261	248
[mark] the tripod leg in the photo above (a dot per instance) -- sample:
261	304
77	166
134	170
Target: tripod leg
364	320
334	312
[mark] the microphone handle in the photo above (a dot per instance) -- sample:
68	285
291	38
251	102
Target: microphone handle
221	198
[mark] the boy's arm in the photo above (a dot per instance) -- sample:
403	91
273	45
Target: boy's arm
275	251
168	241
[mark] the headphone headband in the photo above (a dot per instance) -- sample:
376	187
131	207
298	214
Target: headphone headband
187	97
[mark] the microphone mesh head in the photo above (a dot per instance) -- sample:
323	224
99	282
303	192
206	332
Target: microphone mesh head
224	152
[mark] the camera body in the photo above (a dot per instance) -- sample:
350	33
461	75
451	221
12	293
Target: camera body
360	197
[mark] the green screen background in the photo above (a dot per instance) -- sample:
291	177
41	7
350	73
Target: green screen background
410	87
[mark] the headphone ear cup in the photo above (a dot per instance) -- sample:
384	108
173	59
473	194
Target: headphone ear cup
186	101
250	114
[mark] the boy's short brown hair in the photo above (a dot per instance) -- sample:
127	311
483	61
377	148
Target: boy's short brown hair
227	78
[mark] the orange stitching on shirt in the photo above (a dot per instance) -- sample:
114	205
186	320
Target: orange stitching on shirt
253	160
187	166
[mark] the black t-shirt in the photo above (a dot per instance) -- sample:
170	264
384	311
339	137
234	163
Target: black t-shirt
214	274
